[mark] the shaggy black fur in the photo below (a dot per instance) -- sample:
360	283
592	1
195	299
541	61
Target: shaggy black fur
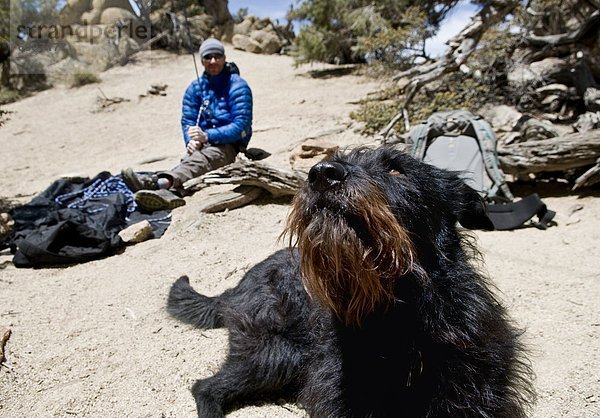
443	346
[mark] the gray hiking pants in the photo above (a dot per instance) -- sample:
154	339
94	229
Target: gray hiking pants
209	158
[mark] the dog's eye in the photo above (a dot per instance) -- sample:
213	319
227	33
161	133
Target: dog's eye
393	172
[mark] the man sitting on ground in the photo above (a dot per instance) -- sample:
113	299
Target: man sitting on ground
216	119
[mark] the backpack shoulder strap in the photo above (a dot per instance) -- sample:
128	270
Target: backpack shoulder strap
487	142
418	137
513	215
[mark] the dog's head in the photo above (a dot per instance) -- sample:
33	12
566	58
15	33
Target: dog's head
367	217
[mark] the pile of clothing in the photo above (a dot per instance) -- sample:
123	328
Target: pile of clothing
72	222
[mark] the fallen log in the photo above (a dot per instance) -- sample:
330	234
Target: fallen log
238	197
560	153
276	181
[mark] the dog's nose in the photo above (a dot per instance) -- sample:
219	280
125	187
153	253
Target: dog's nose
325	174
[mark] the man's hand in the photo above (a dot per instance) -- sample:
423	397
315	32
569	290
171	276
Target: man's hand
197	139
193	146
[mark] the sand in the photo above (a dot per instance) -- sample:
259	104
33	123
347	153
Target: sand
94	339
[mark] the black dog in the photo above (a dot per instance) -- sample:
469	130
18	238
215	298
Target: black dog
377	311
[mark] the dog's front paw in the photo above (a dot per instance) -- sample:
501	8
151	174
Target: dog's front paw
207	405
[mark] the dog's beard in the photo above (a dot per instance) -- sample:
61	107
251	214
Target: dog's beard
349	261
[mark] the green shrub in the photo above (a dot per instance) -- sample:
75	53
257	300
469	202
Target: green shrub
81	78
9	96
453	91
374	115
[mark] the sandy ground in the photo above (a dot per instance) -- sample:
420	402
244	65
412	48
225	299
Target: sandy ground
94	339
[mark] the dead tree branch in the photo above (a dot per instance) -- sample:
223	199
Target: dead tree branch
566	38
590	177
459	49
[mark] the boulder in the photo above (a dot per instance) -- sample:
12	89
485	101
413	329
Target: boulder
503	118
245	43
258	36
524	74
101	55
92	17
249	24
268	40
113	15
71	13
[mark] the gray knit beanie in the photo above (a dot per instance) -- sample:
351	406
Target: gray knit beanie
211	46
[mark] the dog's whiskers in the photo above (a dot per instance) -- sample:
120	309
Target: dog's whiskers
351	260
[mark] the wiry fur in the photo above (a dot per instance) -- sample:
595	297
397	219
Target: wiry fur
379	310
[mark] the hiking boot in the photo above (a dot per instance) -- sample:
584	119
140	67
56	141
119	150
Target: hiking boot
136	181
161	199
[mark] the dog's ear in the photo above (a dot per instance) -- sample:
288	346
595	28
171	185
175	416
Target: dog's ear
472	212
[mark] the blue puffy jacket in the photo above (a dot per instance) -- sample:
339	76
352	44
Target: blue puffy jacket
221	105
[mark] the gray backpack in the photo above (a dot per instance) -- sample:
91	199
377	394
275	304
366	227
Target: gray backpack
460	141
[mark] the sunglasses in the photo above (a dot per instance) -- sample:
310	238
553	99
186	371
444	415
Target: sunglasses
209	57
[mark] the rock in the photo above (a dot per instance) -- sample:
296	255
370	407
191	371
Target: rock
92	16
502	117
587	122
591	98
249	24
258	36
158	89
268	41
138	232
310	152
113	15
101	54
313	147
245	43
244	27
71	13
523	74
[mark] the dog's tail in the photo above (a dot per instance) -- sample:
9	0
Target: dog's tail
189	306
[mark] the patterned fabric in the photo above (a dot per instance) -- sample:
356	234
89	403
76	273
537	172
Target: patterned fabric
80	199
221	105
